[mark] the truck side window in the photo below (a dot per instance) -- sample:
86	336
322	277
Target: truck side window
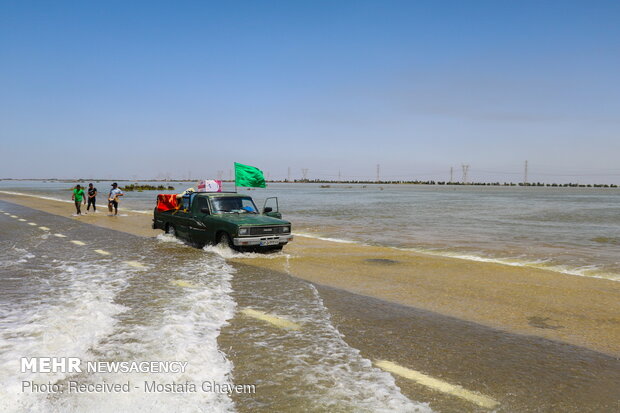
200	203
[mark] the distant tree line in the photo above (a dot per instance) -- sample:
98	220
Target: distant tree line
135	187
417	182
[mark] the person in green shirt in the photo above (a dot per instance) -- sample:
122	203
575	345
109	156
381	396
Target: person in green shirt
79	198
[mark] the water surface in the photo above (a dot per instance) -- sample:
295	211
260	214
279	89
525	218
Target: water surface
569	230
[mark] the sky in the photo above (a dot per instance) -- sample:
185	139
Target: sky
149	89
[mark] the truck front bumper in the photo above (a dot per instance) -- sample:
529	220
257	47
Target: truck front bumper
265	241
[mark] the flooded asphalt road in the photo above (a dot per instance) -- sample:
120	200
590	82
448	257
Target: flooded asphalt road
113	296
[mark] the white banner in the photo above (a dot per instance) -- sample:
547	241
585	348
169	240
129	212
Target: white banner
209	185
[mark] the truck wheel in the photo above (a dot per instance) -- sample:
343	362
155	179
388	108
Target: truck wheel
225	239
171	230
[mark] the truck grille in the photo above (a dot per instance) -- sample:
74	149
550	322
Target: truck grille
266	230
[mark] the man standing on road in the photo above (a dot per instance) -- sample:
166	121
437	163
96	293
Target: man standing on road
78	197
92	194
115	192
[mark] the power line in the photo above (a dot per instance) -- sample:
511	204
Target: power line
465	168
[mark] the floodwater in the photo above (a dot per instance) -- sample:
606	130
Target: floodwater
293	346
160	300
570	230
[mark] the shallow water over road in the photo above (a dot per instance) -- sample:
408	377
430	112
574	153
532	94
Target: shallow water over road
569	230
73	290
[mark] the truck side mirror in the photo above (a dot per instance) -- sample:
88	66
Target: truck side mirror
267	209
204	210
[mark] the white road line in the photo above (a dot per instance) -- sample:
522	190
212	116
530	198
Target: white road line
183	283
271	319
14	216
135	264
6	213
60	236
76	242
32	223
102	252
436	384
45	228
22	220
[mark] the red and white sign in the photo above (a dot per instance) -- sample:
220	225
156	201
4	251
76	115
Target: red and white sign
210	185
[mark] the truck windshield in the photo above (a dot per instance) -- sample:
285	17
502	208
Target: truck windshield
238	205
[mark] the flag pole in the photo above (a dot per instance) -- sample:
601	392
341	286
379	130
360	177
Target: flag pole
235	179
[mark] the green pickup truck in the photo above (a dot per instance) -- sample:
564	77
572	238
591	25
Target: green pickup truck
229	218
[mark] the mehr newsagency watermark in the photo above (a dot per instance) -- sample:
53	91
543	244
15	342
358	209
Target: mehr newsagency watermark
75	365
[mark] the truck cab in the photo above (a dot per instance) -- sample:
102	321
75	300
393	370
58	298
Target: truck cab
229	218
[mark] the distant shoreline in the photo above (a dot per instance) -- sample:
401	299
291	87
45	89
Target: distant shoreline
317	181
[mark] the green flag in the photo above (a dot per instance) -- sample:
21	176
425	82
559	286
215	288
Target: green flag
249	176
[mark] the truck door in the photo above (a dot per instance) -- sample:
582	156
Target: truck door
200	230
182	218
271	209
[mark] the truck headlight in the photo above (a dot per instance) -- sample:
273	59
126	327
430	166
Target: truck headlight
243	231
286	229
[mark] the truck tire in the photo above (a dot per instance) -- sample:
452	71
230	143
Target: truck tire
170	229
225	239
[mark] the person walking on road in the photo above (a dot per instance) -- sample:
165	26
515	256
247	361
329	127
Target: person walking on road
78	198
115	193
92	197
